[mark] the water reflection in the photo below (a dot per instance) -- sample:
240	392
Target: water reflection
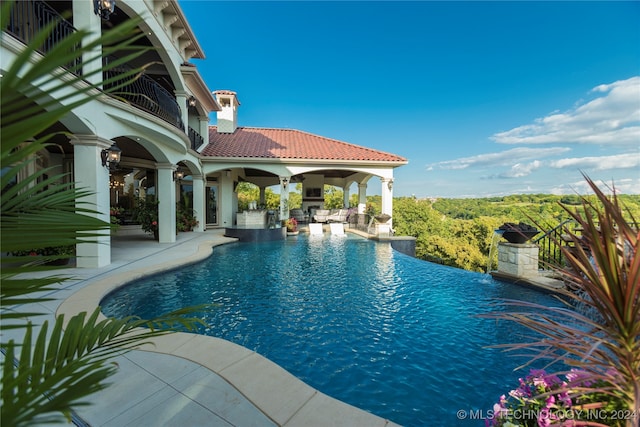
353	318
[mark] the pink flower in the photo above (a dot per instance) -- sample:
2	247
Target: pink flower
579	378
551	400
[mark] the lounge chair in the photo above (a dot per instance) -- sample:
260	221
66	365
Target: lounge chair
339	216
321	215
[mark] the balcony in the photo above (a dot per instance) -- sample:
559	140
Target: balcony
146	94
196	139
29	17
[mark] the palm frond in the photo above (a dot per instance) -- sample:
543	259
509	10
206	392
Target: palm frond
61	369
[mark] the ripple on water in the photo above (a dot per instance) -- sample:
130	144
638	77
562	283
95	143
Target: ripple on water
391	334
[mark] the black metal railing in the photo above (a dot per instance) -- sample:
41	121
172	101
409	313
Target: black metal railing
28	17
550	244
146	94
196	139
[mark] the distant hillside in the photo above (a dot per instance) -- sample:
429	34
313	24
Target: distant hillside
459	232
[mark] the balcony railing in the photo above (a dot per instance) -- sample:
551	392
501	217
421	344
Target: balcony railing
146	94
28	17
196	139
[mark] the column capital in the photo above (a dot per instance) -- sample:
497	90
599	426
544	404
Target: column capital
166	165
90	140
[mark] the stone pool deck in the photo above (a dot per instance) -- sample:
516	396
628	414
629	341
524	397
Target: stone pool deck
184	379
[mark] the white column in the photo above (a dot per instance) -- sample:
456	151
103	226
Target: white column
181	99
90	174
84	18
227	202
199	202
362	198
166	192
387	196
284	197
263	196
204	130
345	198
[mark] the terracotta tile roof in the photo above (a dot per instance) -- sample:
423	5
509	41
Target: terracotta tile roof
268	143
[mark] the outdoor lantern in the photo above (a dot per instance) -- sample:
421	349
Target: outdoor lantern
178	174
192	101
104	8
111	156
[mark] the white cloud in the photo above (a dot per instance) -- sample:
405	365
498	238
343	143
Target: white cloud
519	170
613	117
508	157
624	186
619	161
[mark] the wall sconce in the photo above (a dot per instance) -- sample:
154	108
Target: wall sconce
111	156
285	182
390	184
192	101
104	8
178	174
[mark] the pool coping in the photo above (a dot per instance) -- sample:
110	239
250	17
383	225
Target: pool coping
279	395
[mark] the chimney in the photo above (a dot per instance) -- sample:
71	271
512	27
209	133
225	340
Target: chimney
228	116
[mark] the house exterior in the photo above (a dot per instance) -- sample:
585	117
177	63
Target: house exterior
161	125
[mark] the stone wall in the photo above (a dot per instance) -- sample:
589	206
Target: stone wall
519	260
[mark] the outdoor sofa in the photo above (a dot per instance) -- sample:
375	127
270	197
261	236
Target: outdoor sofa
333	215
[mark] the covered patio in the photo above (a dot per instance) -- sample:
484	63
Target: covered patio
269	157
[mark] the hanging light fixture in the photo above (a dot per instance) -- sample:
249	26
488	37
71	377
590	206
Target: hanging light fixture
104	8
178	174
192	101
111	156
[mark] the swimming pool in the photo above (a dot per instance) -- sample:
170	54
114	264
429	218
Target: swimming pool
353	318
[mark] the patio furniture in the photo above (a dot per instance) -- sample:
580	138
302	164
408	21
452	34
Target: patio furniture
339	216
315	229
321	215
337	228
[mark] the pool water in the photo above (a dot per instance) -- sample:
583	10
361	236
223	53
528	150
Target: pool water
357	320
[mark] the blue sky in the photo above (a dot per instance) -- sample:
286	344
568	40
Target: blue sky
482	98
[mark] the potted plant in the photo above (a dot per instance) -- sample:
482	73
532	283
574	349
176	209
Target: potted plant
185	220
292	226
146	214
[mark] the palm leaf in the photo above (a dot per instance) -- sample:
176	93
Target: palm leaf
60	370
51	374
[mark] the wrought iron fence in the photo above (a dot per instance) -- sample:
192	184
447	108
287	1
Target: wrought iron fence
28	17
550	244
196	139
146	94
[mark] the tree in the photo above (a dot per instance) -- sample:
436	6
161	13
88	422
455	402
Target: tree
47	373
333	197
602	339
